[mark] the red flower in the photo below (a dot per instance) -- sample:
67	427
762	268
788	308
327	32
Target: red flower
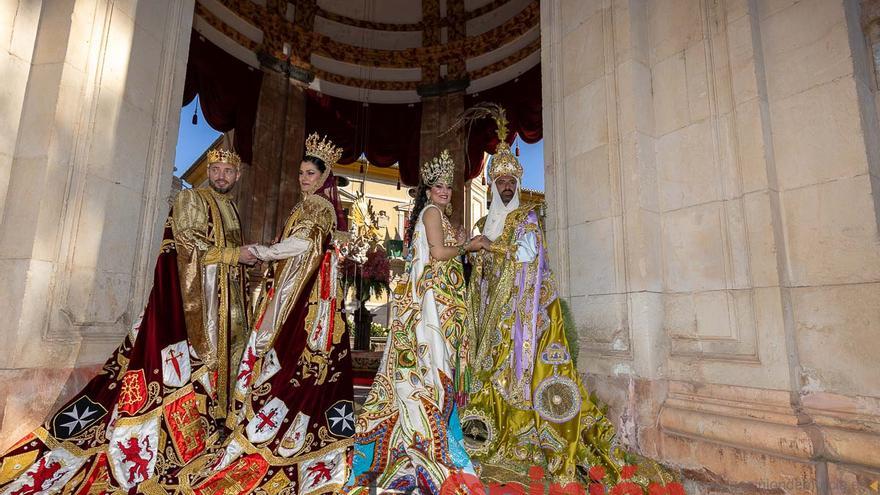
370	278
376	267
626	488
628	472
597	473
667	489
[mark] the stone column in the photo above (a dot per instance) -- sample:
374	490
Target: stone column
438	113
91	105
712	181
269	186
601	182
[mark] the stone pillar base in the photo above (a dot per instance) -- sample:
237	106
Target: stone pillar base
739	440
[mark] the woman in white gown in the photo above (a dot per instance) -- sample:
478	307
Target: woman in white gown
408	436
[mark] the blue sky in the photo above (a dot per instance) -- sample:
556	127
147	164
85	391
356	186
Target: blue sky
193	140
531	156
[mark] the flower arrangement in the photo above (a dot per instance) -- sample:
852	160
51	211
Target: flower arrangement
378	330
366	268
370	278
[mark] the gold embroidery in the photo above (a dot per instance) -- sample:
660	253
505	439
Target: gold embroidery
314	364
311	219
14	465
276	483
205	225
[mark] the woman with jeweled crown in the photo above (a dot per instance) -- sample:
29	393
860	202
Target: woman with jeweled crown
408	436
293	418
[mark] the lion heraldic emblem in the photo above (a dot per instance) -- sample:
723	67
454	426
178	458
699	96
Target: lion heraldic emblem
132	452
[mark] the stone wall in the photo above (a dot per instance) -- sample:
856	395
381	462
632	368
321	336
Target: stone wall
715	162
88	117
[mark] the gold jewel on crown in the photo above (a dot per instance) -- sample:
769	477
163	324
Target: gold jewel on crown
225	156
438	170
504	161
323	149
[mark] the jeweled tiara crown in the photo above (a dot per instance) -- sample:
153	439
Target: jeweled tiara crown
504	161
438	170
323	149
223	155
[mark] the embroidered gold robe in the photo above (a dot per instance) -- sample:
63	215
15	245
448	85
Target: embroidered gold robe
153	408
293	395
207	230
527	405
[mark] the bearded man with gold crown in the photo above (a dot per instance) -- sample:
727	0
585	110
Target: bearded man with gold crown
408	436
161	399
527	406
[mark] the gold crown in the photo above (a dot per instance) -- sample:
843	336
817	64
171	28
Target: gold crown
323	149
504	162
225	156
438	170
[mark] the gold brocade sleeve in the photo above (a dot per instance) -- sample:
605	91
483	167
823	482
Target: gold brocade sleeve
196	247
312	219
191	221
481	223
228	256
499	246
502	248
315	221
191	230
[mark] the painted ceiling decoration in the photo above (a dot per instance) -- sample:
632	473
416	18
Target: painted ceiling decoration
380	51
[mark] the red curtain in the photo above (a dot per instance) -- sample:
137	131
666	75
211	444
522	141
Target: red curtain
390	133
228	91
385	133
521	98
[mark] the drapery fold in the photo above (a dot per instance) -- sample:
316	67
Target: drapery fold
521	98
228	91
385	133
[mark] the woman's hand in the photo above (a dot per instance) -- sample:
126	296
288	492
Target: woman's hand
246	256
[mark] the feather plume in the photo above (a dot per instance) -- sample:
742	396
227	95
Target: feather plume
479	111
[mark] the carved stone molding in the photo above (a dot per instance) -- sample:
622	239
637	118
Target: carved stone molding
749	418
71	317
763	424
850	426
